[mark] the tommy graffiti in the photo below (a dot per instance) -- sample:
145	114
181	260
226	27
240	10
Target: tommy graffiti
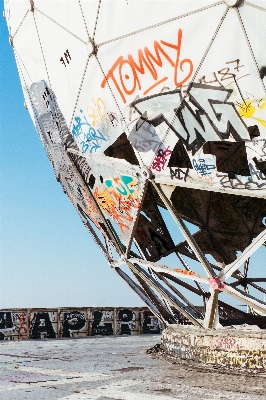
126	73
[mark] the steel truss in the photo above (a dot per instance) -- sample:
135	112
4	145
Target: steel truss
158	285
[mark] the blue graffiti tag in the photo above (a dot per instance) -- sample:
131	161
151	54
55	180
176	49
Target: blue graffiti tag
121	187
264	221
202	168
86	136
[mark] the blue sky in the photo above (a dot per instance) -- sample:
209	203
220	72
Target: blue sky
48	258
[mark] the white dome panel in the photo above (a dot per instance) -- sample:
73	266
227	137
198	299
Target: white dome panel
14	15
65	58
125	17
71	18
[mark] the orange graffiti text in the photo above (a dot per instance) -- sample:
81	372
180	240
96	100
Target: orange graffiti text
185	272
125	73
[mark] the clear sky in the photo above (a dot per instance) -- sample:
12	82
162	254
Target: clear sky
48	258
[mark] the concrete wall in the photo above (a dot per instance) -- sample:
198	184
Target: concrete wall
70	322
229	348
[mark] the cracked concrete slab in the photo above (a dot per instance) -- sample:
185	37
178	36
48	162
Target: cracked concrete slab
112	368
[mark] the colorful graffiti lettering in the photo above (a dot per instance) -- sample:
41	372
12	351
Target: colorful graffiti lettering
225	343
196	128
91	211
100	117
125	185
161	159
119	198
244	358
147	62
86	136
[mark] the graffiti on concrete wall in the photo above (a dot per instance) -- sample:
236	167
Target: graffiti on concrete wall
127	321
73	323
13	324
67	322
248	359
226	349
150	324
6	324
21	324
42	325
102	322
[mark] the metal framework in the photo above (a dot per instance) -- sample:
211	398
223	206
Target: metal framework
132	150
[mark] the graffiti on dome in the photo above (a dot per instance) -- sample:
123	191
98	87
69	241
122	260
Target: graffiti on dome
119	198
88	138
213	118
126	73
161	159
231	72
66	58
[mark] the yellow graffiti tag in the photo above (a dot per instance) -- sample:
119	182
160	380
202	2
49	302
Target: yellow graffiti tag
250	109
96	110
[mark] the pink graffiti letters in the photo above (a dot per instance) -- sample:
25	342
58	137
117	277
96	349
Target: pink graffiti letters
225	343
161	159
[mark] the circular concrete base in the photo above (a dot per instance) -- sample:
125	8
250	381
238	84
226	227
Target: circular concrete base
241	349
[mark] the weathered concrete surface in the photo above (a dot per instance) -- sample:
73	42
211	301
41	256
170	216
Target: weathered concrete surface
106	368
243	349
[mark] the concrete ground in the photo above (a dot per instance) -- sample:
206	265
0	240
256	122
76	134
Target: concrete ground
111	368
